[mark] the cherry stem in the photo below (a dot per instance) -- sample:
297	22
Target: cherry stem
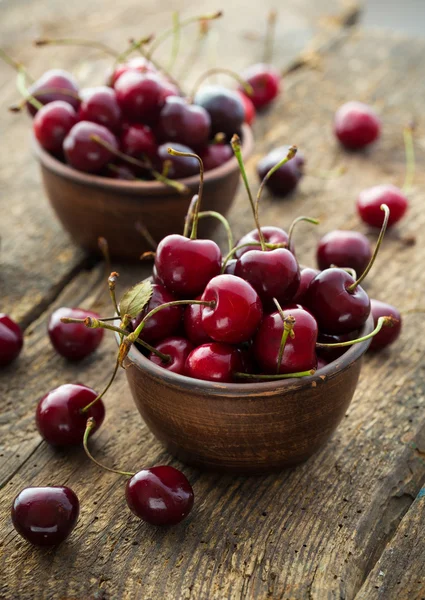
76	42
389	321
298	220
270	35
144	231
235	142
23	90
273	377
87	408
112	279
176	41
189	216
91	424
253	243
353	286
201	187
215	71
288	330
410	158
134	45
223	221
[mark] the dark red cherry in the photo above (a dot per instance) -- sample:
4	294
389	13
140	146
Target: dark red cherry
59	415
45	516
370	200
330	354
120	171
215	155
52	123
306	277
179	166
165	322
336	309
193	327
186	266
139	96
82	152
138	63
265	82
272	274
74	341
286	178
178	348
321	363
185	123
272	235
138	141
230	267
224	107
214	362
11	340
237	311
160	495
356	125
387	335
344	249
248	107
54	84
300	351
99	105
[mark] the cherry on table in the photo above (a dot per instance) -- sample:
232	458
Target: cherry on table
286	178
387	335
179	166
55	84
224	107
52	124
165	322
138	140
215	155
306	277
344	249
215	362
73	341
11	340
85	154
178	349
140	96
370	200
272	235
100	105
182	122
356	125
265	82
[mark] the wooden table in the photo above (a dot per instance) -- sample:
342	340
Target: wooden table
347	524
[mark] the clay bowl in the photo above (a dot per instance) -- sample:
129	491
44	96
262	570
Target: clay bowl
245	428
89	206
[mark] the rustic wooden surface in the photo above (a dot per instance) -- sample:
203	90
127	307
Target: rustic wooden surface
349	523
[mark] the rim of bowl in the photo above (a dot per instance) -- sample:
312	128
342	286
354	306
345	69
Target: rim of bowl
252	389
138	187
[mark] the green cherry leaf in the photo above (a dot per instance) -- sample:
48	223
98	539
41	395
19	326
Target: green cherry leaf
136	298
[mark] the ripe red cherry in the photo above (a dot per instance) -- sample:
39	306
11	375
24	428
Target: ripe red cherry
265	82
344	249
186	266
387	335
137	140
163	323
182	122
272	235
59	417
74	341
11	340
82	152
306	277
138	63
249	107
45	516
224	107
193	327
179	166
299	353
356	125
214	362
99	105
52	123
160	495
140	96
370	200
286	178
178	348
237	312
336	309
215	155
54	84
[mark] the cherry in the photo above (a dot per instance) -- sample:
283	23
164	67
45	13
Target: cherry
193	327
249	107
11	340
179	166
286	178
99	105
356	125
387	335
121	171
330	354
138	63
178	348
45	516
265	82
60	418
224	107
140	96
344	249
182	122
237	309
187	265
369	202
214	362
272	235
230	267
306	277
52	123
162	324
82	152
73	341
160	495
321	363
214	155
299	353
54	84
138	141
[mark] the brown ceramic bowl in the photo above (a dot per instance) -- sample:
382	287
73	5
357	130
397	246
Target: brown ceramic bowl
245	428
89	206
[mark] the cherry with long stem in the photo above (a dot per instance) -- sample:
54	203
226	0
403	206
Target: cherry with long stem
223	221
250	244
295	222
291	153
388	321
275	377
91	424
41	42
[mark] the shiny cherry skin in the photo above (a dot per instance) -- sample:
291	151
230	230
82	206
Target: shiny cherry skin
248	107
265	82
356	125
224	107
55	84
344	249
193	327
369	204
138	141
160	495
306	277
215	155
165	322
52	124
272	274
215	362
139	96
387	335
11	340
286	178
179	166
335	308
299	353
185	123
73	341
138	63
330	354
100	105
186	266
82	152
237	310
45	516
59	417
178	348
272	235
